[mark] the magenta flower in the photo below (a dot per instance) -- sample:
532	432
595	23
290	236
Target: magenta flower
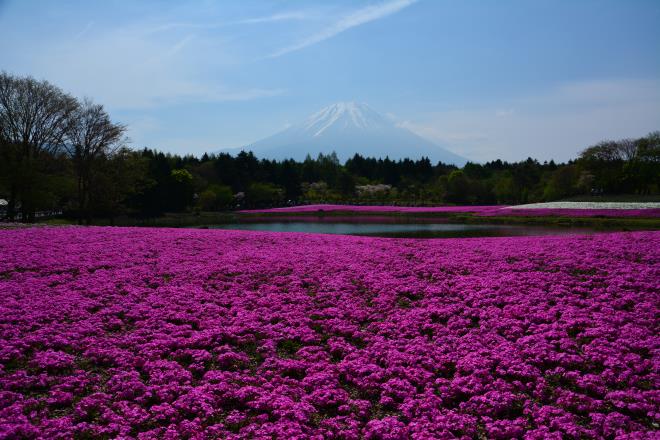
201	334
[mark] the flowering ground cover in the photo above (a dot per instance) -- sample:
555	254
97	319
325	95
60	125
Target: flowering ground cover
180	333
373	209
554	209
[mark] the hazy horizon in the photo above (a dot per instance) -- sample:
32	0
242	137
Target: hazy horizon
506	80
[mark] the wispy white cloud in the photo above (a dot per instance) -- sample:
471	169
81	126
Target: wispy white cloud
273	18
138	71
503	112
356	18
179	45
170	26
244	95
83	31
283	16
178	55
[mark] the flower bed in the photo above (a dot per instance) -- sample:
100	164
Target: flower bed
559	209
165	333
373	208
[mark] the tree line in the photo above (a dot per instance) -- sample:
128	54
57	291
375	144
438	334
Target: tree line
59	153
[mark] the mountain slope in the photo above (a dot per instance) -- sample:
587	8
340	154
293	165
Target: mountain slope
348	128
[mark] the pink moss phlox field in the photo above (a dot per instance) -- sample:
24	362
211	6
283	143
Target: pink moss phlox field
485	210
375	209
167	334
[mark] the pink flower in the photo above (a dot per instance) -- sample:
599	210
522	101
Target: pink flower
234	334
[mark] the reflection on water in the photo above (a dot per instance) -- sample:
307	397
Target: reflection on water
412	230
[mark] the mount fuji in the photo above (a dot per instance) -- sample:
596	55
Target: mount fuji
348	128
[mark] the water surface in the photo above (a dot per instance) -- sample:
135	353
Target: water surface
406	229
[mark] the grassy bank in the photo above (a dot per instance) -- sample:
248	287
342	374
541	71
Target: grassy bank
183	220
599	223
605	223
169	220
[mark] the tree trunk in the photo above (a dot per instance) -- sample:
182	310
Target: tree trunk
80	199
87	213
11	206
27	193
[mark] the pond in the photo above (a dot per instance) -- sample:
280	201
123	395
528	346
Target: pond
401	230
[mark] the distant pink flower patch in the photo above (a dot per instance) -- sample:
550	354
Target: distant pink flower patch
375	209
481	210
201	334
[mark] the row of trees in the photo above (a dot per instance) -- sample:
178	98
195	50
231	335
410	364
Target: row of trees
42	130
60	153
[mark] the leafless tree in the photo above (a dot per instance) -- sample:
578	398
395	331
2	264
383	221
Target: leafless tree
607	151
33	120
90	136
627	149
610	151
33	114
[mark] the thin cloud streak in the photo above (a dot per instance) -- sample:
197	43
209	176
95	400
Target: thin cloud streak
282	16
357	18
164	27
86	29
180	45
246	95
293	15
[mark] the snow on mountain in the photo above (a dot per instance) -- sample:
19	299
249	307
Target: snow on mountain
348	128
345	116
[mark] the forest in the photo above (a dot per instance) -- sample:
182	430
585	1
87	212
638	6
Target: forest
60	154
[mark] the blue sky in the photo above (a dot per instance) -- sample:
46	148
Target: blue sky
489	79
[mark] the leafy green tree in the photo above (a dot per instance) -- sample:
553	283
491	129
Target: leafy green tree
290	179
181	189
563	183
215	197
261	194
346	183
458	187
505	189
117	179
585	182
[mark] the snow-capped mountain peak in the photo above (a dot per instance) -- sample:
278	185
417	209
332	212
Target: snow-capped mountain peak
348	128
343	115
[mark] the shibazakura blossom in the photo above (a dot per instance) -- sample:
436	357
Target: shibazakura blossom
165	333
374	209
486	210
